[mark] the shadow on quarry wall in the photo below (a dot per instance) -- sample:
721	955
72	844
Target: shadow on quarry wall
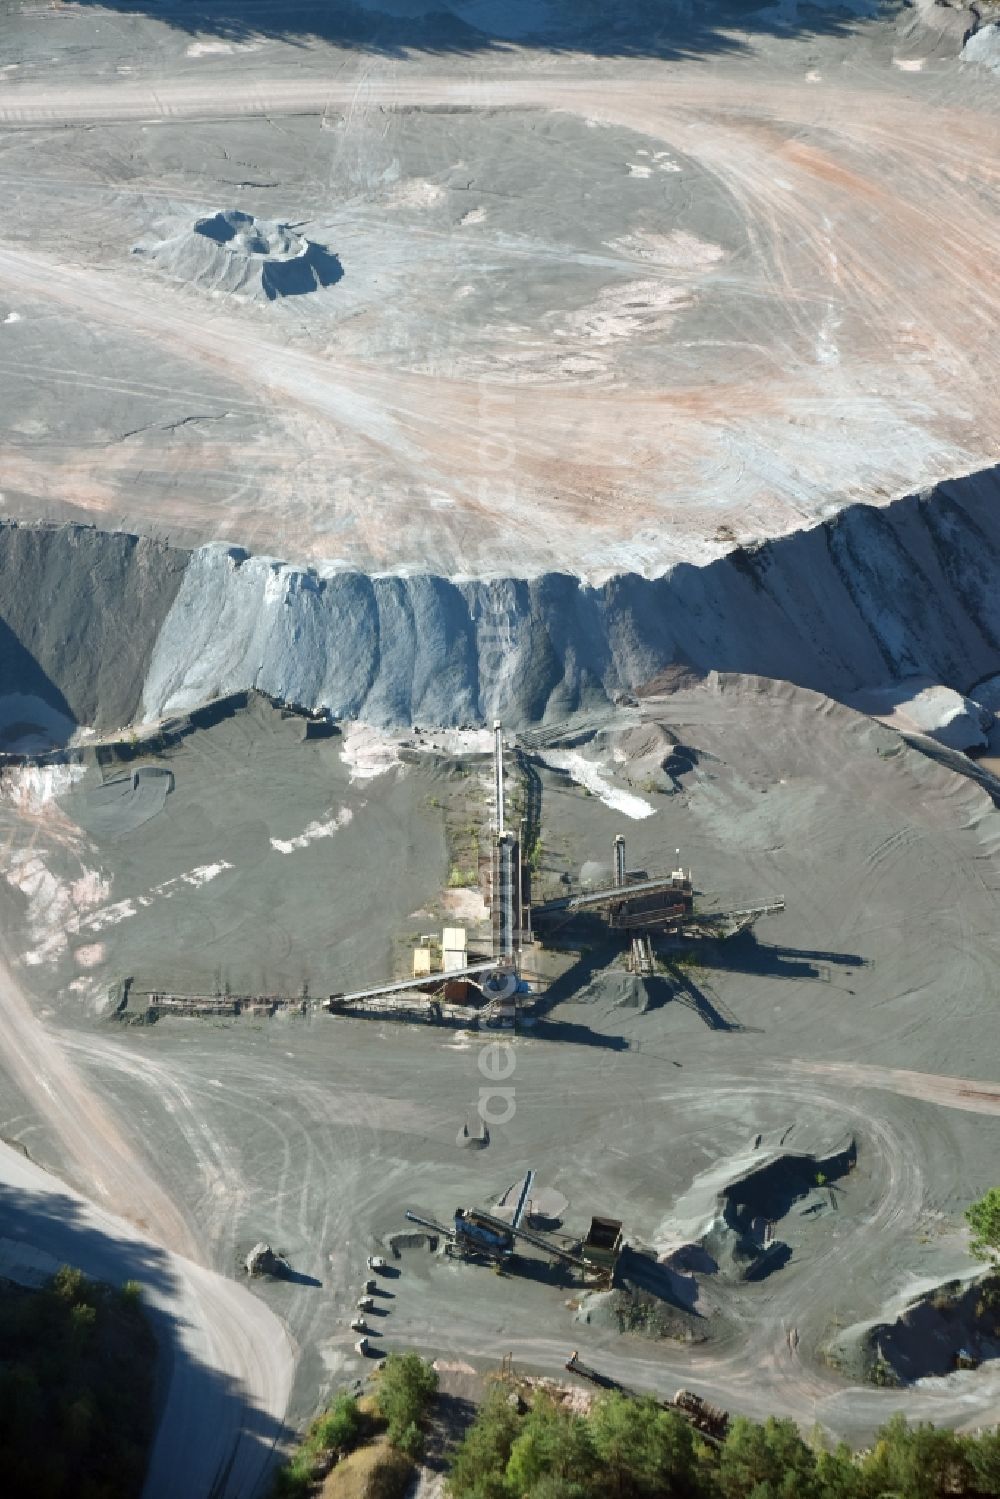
769	1192
641	1270
952	1327
52	1222
302	275
843	604
636	28
83	607
744	1245
33	712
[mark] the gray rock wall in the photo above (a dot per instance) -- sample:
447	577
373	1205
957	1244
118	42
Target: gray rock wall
80	613
119	625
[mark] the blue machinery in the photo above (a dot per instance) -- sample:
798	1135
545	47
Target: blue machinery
482	1235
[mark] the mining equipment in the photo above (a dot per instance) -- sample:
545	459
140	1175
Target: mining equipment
704	1417
640	904
428	984
603	1244
497	976
575	1365
708	1419
478	1234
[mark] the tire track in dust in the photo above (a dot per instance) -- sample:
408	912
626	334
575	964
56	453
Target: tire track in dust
928	1087
775	1366
203	1430
91	1138
213	1162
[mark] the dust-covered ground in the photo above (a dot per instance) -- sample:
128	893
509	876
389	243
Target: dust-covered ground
863	1014
598	291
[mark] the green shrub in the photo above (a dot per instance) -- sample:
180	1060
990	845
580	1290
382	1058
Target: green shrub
643	1448
293	1481
984	1219
771	1458
411	1441
71	1285
339	1427
553	1443
82	1322
479	1464
406	1387
336	1429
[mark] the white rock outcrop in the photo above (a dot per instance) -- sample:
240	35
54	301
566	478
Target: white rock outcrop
916	706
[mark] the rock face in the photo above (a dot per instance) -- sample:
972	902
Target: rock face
80	612
955	1325
916	706
234	253
872	597
983	46
262	1260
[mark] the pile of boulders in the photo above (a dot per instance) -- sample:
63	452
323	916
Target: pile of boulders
262	1260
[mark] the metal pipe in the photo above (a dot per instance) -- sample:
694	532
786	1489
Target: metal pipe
498	773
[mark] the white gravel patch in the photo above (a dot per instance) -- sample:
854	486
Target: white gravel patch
312	832
626	311
590	775
678	251
368	752
31	787
122	910
54	905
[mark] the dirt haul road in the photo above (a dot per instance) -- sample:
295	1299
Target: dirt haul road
864	372
226	1361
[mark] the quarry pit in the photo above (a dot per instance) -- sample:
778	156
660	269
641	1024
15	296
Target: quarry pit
372	376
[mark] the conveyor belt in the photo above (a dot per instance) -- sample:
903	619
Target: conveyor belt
609	895
538	1240
402	985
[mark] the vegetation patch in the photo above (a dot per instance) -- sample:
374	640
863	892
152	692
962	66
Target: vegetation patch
406	1388
76	1389
332	1435
377	1471
638	1449
365	1449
